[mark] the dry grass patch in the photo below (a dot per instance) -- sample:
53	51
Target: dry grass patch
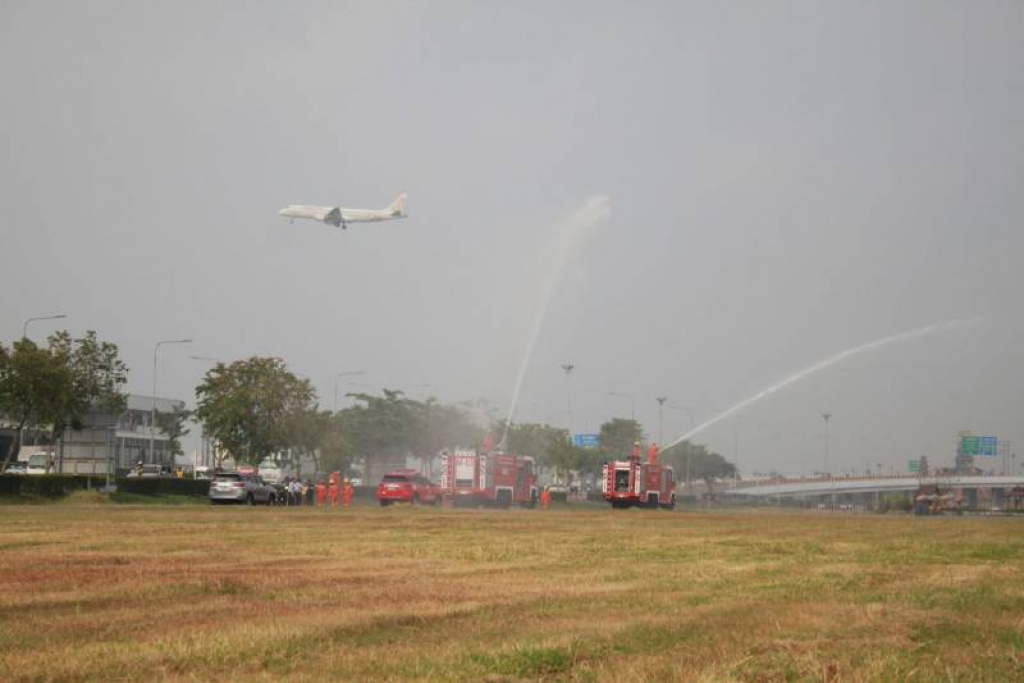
102	592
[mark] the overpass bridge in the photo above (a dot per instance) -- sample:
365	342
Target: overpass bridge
827	486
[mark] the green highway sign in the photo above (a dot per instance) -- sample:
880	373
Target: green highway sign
913	465
985	446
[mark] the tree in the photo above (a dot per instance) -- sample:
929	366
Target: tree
250	406
173	424
28	375
381	426
54	387
700	462
618	437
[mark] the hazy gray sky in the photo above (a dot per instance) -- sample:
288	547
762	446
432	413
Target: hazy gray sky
788	179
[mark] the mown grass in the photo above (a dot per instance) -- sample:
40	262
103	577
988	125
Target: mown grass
100	592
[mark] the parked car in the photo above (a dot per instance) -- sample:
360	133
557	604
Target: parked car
148	471
38	464
17	468
407	486
236	487
274	472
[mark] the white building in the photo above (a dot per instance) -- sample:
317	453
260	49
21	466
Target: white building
108	442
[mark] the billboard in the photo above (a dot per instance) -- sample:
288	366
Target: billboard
985	446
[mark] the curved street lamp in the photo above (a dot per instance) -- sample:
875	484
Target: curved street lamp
24	328
152	413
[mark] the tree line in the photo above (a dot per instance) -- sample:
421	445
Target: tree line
257	408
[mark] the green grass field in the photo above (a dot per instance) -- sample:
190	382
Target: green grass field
106	592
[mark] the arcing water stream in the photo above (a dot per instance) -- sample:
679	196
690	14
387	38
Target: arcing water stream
568	236
821	365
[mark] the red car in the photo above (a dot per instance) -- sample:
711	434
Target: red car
407	486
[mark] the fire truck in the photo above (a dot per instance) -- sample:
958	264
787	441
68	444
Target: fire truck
469	478
629	483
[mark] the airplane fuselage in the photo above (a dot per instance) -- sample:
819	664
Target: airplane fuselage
339	216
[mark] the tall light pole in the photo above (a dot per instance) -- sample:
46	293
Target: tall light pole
826	417
24	328
661	410
353	373
632	400
688	456
152	413
568	368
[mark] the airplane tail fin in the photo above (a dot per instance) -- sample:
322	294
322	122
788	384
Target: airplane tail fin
397	207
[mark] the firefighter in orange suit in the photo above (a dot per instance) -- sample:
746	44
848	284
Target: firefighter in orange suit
545	499
348	491
321	493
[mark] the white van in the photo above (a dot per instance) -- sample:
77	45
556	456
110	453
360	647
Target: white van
274	472
39	463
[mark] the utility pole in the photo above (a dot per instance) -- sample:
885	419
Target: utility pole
826	417
568	368
661	409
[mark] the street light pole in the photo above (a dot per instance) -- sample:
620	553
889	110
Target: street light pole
568	367
24	328
826	417
152	413
343	374
661	409
688	455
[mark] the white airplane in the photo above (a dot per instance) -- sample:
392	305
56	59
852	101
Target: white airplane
339	216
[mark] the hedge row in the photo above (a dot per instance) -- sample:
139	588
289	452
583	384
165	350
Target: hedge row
160	486
57	485
46	485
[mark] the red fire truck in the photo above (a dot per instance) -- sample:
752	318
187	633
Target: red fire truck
489	478
629	483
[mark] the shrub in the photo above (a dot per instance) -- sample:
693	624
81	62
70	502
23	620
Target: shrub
45	485
164	486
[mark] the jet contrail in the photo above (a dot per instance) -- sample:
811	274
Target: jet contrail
821	365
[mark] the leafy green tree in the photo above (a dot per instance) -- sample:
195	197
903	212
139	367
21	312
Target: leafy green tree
618	437
28	375
528	438
700	462
250	406
54	387
382	426
175	425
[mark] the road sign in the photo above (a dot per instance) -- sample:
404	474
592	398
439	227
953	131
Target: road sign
985	446
586	440
913	465
970	445
989	446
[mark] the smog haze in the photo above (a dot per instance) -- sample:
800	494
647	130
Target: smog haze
786	181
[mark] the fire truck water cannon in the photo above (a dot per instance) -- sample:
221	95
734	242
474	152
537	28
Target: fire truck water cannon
630	483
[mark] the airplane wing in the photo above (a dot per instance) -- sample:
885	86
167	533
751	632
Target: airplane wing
325	214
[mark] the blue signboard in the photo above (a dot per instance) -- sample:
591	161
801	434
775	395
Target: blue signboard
989	446
586	440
